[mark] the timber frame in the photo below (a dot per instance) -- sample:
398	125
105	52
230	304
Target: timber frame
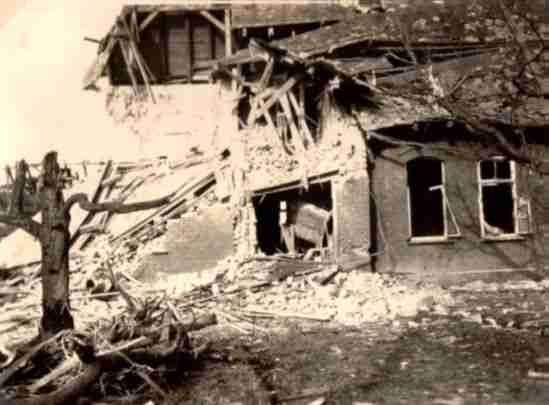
126	35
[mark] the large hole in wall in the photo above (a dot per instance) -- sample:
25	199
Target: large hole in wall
295	221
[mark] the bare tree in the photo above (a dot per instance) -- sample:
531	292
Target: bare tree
497	92
54	236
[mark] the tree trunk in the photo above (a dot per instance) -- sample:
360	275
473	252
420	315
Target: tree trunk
54	240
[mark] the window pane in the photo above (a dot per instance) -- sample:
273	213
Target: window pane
503	169
487	170
426	204
498	210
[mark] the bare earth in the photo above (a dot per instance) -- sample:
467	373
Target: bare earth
464	356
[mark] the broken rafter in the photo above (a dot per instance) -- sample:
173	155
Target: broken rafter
265	77
291	82
296	134
149	19
97	68
135	26
300	113
127	62
138	58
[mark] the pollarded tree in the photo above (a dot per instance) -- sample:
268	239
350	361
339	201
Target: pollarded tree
54	236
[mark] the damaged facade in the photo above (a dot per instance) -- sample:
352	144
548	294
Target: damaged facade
410	186
324	166
157	59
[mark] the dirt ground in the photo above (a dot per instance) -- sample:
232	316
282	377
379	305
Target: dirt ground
460	356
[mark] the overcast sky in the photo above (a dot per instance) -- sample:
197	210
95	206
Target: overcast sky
43	59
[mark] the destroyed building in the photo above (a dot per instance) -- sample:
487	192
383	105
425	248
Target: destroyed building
154	65
321	164
399	180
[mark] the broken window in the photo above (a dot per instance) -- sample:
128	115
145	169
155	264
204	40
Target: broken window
430	214
502	214
295	221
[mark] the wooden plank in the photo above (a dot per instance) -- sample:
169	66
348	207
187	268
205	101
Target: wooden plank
97	68
142	8
129	69
296	134
265	76
228	33
208	16
291	82
300	113
148	20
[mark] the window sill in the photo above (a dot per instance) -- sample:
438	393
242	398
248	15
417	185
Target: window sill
503	238
434	240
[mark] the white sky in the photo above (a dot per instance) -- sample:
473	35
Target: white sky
43	58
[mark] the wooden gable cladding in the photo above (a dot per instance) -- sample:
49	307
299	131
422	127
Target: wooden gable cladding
176	46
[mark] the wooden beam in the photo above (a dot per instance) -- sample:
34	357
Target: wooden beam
300	113
135	26
142	8
270	122
208	16
96	69
228	33
148	20
291	82
126	57
296	134
265	77
190	61
137	55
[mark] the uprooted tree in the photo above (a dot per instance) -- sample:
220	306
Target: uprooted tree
54	236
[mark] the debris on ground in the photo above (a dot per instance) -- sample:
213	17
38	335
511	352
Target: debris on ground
132	330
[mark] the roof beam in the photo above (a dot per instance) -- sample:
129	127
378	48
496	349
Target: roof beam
278	94
148	20
208	16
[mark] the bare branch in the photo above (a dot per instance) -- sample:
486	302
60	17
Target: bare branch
467	118
114	207
29	225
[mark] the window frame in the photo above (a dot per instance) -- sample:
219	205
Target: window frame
516	234
446	208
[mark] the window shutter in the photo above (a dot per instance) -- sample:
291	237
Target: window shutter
524	216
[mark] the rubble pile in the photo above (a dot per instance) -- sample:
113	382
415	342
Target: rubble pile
113	309
269	163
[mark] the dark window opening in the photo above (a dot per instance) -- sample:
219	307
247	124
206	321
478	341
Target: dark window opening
295	221
497	197
426	197
498	209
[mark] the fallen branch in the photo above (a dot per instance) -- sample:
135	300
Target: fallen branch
66	366
19	363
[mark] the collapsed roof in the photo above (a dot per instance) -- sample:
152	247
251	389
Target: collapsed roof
224	19
409	39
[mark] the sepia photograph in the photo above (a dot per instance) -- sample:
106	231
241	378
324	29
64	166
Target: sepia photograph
314	202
